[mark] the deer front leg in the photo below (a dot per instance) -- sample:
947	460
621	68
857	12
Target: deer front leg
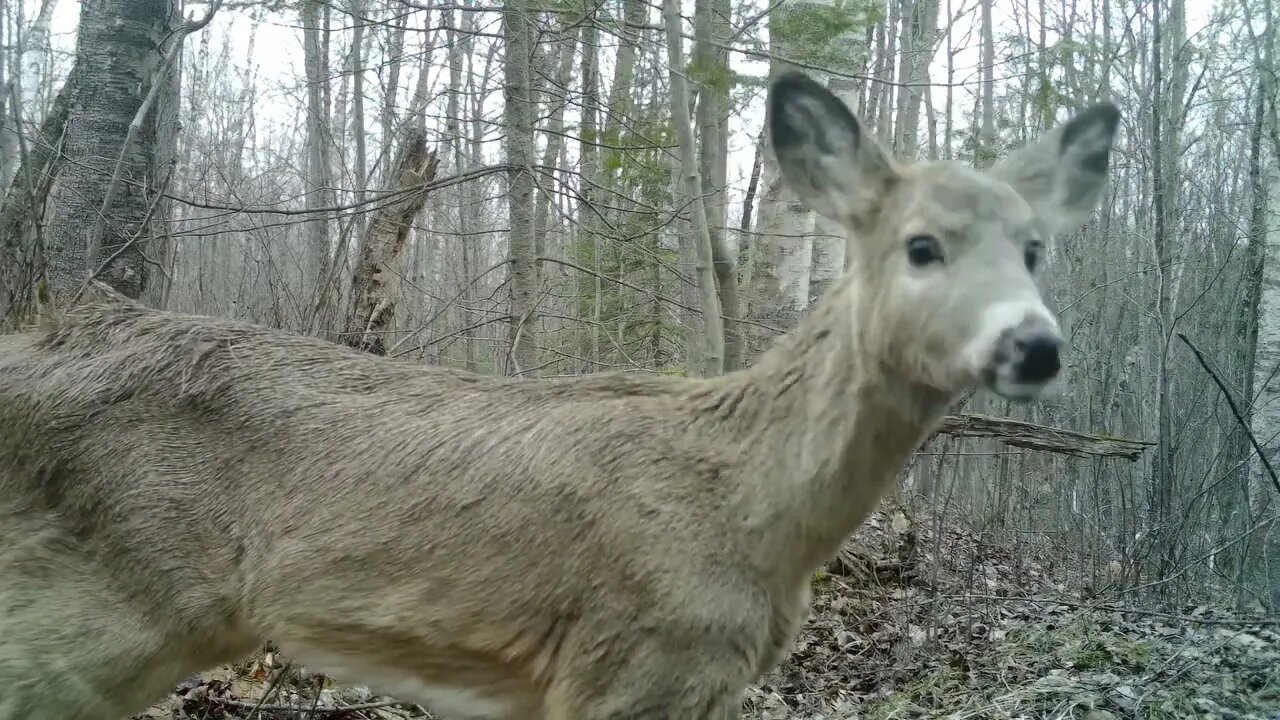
658	703
697	683
76	645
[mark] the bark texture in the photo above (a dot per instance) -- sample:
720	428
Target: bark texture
115	56
373	285
21	235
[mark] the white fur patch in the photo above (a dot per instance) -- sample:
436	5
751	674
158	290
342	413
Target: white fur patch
451	701
998	318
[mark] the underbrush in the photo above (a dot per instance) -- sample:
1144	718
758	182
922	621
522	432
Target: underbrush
976	632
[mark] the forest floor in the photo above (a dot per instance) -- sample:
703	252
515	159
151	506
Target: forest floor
912	624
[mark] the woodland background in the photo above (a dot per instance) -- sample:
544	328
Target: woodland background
558	187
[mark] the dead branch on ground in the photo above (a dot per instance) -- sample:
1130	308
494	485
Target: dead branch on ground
1041	437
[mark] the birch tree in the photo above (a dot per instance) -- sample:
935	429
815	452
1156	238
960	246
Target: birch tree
711	358
823	33
520	112
113	135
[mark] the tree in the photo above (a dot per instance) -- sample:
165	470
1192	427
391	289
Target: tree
712	62
521	109
373	301
781	288
712	351
319	192
120	142
1265	408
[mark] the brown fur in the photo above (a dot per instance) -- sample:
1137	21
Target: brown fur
176	489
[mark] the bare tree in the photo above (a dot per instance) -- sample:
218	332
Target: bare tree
710	359
520	110
319	184
124	87
378	265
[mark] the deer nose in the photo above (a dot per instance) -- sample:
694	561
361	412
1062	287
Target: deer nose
1039	362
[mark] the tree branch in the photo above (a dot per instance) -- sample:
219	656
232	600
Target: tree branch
1041	437
1234	411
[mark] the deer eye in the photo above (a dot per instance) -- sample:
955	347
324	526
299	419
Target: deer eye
923	250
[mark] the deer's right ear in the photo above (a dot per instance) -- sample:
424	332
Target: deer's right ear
1062	175
823	153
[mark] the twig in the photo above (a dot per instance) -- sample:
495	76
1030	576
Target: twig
133	240
271	688
1234	410
315	700
259	706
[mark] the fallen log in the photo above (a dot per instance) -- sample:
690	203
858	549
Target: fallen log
1041	437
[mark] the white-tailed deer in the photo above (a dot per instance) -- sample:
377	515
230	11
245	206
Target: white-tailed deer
176	489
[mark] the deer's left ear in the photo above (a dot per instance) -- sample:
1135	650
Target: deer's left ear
1062	175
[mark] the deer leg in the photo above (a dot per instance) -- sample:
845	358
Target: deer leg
73	646
700	687
654	705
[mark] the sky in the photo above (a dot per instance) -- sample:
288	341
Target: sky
277	54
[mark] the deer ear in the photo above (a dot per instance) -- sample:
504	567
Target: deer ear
833	166
1062	175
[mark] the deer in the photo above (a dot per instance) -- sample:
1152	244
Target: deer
177	489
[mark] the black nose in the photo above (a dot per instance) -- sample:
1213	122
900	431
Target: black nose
1039	359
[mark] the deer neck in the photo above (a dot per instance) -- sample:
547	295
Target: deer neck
829	424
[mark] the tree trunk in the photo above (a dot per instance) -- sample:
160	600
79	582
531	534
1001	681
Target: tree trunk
790	262
456	144
783	255
1162	470
985	148
116	57
517	18
361	160
317	182
915	89
21	222
592	176
557	101
713	134
603	204
711	361
1266	400
391	93
373	285
1233	502
908	37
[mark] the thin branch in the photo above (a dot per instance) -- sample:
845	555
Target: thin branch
133	240
1244	425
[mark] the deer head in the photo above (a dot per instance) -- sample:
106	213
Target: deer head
944	257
